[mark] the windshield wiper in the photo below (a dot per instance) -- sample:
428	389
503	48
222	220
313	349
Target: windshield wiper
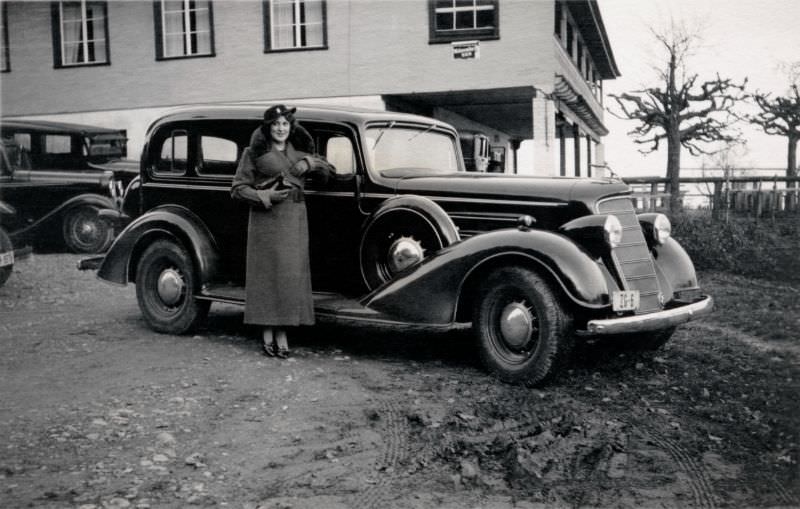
380	134
422	132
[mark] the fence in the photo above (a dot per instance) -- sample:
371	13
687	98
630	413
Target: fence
756	196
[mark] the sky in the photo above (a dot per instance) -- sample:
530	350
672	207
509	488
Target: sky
740	38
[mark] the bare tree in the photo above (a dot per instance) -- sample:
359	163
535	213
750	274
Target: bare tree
681	110
780	116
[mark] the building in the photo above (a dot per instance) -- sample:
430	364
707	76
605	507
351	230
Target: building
524	72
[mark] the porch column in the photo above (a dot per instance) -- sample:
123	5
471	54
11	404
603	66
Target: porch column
544	126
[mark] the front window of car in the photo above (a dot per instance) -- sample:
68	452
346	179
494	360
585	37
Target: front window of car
414	147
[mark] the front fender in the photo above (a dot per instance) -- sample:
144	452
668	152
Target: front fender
674	268
119	264
430	292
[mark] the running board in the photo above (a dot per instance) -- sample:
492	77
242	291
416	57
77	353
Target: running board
328	308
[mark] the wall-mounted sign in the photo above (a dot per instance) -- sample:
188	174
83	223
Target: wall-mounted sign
466	50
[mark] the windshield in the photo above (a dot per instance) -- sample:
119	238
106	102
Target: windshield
391	146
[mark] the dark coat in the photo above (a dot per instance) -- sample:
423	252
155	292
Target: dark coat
278	276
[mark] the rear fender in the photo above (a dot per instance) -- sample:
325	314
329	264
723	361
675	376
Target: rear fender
433	291
178	223
87	199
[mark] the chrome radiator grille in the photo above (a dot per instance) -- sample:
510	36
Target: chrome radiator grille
632	257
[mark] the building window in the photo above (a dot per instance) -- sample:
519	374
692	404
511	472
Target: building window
5	64
80	33
184	28
458	20
294	24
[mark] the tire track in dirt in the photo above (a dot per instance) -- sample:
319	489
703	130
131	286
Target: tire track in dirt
698	479
748	339
784	495
394	430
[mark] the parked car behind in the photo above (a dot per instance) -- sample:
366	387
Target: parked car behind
403	235
56	205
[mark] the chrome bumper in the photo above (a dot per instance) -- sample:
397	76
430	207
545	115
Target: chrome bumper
651	321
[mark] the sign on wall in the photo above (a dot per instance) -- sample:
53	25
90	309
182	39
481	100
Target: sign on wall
463	50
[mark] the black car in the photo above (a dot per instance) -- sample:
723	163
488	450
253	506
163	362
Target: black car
55	207
405	236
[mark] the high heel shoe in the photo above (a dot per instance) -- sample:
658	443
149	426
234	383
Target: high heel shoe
270	350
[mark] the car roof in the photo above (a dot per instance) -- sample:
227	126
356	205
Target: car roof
304	111
47	126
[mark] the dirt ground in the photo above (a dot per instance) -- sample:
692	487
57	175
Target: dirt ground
97	411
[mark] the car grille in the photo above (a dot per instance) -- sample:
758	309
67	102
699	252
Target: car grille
632	257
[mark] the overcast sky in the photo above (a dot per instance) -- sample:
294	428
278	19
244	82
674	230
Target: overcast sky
741	38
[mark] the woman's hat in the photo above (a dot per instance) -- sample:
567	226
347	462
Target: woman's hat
279	110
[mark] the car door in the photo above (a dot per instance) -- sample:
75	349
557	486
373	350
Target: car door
335	218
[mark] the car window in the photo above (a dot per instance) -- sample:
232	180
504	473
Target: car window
23	140
174	154
57	144
339	152
390	147
217	156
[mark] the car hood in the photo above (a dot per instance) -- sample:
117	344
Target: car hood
507	187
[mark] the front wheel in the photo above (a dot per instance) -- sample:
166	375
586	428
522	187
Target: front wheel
524	333
86	232
165	288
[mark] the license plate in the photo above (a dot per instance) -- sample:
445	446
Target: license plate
625	300
7	258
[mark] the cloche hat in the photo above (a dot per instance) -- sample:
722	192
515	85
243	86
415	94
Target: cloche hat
279	110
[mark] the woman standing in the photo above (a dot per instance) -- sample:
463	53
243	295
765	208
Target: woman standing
270	177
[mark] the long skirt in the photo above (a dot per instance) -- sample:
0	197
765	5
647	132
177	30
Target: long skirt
278	278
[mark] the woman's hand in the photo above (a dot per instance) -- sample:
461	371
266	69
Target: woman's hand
277	195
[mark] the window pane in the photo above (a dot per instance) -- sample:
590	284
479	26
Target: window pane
173	154
464	3
444	21
3	45
203	43
485	19
313	12
465	20
57	144
443	4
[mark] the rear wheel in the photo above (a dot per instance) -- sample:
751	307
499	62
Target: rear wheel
6	255
165	288
524	333
85	231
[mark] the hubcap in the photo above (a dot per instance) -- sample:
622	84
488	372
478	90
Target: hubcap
403	253
170	286
516	325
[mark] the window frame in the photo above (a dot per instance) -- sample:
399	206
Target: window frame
266	9
56	24
482	34
5	64
158	24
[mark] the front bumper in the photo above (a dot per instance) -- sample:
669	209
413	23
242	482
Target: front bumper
651	321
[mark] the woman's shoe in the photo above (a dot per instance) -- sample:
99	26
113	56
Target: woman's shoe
283	353
270	350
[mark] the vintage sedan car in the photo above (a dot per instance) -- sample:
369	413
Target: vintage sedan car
404	236
56	206
66	147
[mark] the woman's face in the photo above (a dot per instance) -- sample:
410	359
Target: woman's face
279	129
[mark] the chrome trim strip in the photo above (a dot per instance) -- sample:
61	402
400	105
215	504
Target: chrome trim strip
651	321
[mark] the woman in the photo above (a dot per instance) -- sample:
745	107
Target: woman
270	177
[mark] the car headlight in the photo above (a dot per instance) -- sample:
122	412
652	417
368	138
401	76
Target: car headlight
662	228
612	231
